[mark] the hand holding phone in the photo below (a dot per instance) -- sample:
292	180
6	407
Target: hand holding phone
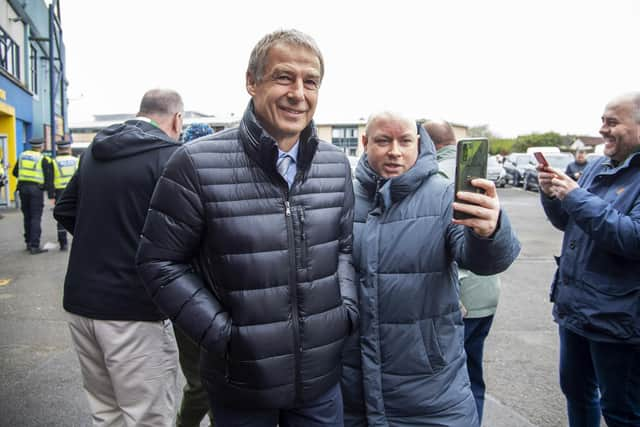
471	162
542	161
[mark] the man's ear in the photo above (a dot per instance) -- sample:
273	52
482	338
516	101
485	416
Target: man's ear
365	141
251	84
177	125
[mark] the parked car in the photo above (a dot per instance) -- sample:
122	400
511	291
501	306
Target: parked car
557	161
495	172
514	165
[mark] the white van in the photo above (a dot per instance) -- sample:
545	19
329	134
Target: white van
532	150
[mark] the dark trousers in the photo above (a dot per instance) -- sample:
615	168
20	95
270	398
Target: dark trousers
31	204
324	411
62	233
475	332
195	402
599	378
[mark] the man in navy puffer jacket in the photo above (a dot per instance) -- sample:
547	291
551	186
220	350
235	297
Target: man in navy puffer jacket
407	366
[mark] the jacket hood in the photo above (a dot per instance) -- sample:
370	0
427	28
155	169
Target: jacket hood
392	190
128	139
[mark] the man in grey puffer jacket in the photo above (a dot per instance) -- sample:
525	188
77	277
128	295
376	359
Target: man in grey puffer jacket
406	367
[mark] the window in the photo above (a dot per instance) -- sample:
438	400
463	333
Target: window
345	137
9	54
33	61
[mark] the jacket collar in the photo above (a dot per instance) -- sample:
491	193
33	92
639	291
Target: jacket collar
387	191
263	149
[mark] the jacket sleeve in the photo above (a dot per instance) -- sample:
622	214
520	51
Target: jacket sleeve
553	210
170	240
609	228
65	210
346	271
482	255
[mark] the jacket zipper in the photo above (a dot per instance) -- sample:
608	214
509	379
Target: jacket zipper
292	278
294	297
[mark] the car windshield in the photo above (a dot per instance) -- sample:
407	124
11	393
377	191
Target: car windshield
523	159
559	162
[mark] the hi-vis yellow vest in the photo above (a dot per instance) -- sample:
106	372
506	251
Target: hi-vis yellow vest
64	167
30	167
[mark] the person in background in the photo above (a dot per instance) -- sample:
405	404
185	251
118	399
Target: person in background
596	290
478	294
195	131
247	247
406	366
195	402
64	166
575	168
125	345
33	170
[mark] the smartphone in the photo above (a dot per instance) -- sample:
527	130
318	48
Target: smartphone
540	158
471	163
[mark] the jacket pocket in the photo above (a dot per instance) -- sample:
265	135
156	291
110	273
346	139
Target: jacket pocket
609	309
431	344
443	338
401	349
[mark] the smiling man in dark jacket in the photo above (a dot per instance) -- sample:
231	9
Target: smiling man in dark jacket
125	345
596	289
247	247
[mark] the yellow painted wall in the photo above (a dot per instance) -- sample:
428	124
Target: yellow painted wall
8	127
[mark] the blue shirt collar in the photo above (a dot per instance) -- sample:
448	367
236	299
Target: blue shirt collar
293	153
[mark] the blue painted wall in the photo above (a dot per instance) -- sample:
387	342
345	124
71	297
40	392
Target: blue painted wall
18	98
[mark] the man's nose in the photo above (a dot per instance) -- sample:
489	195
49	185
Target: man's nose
394	149
296	90
604	129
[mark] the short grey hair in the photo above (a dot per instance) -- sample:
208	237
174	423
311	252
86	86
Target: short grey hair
258	58
161	102
390	115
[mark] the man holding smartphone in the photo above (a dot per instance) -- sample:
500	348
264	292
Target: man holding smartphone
405	365
596	290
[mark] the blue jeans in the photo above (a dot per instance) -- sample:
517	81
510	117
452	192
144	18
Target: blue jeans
326	410
599	377
475	332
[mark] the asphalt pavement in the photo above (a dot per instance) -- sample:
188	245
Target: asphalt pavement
40	383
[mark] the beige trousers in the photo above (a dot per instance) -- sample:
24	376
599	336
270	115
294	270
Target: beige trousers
129	370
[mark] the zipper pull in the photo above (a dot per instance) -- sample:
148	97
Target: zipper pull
287	208
302	215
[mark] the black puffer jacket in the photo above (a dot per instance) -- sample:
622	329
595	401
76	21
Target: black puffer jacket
260	275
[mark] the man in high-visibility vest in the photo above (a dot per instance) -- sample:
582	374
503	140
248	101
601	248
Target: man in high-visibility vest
33	171
64	166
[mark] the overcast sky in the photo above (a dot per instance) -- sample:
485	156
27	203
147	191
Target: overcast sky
519	66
